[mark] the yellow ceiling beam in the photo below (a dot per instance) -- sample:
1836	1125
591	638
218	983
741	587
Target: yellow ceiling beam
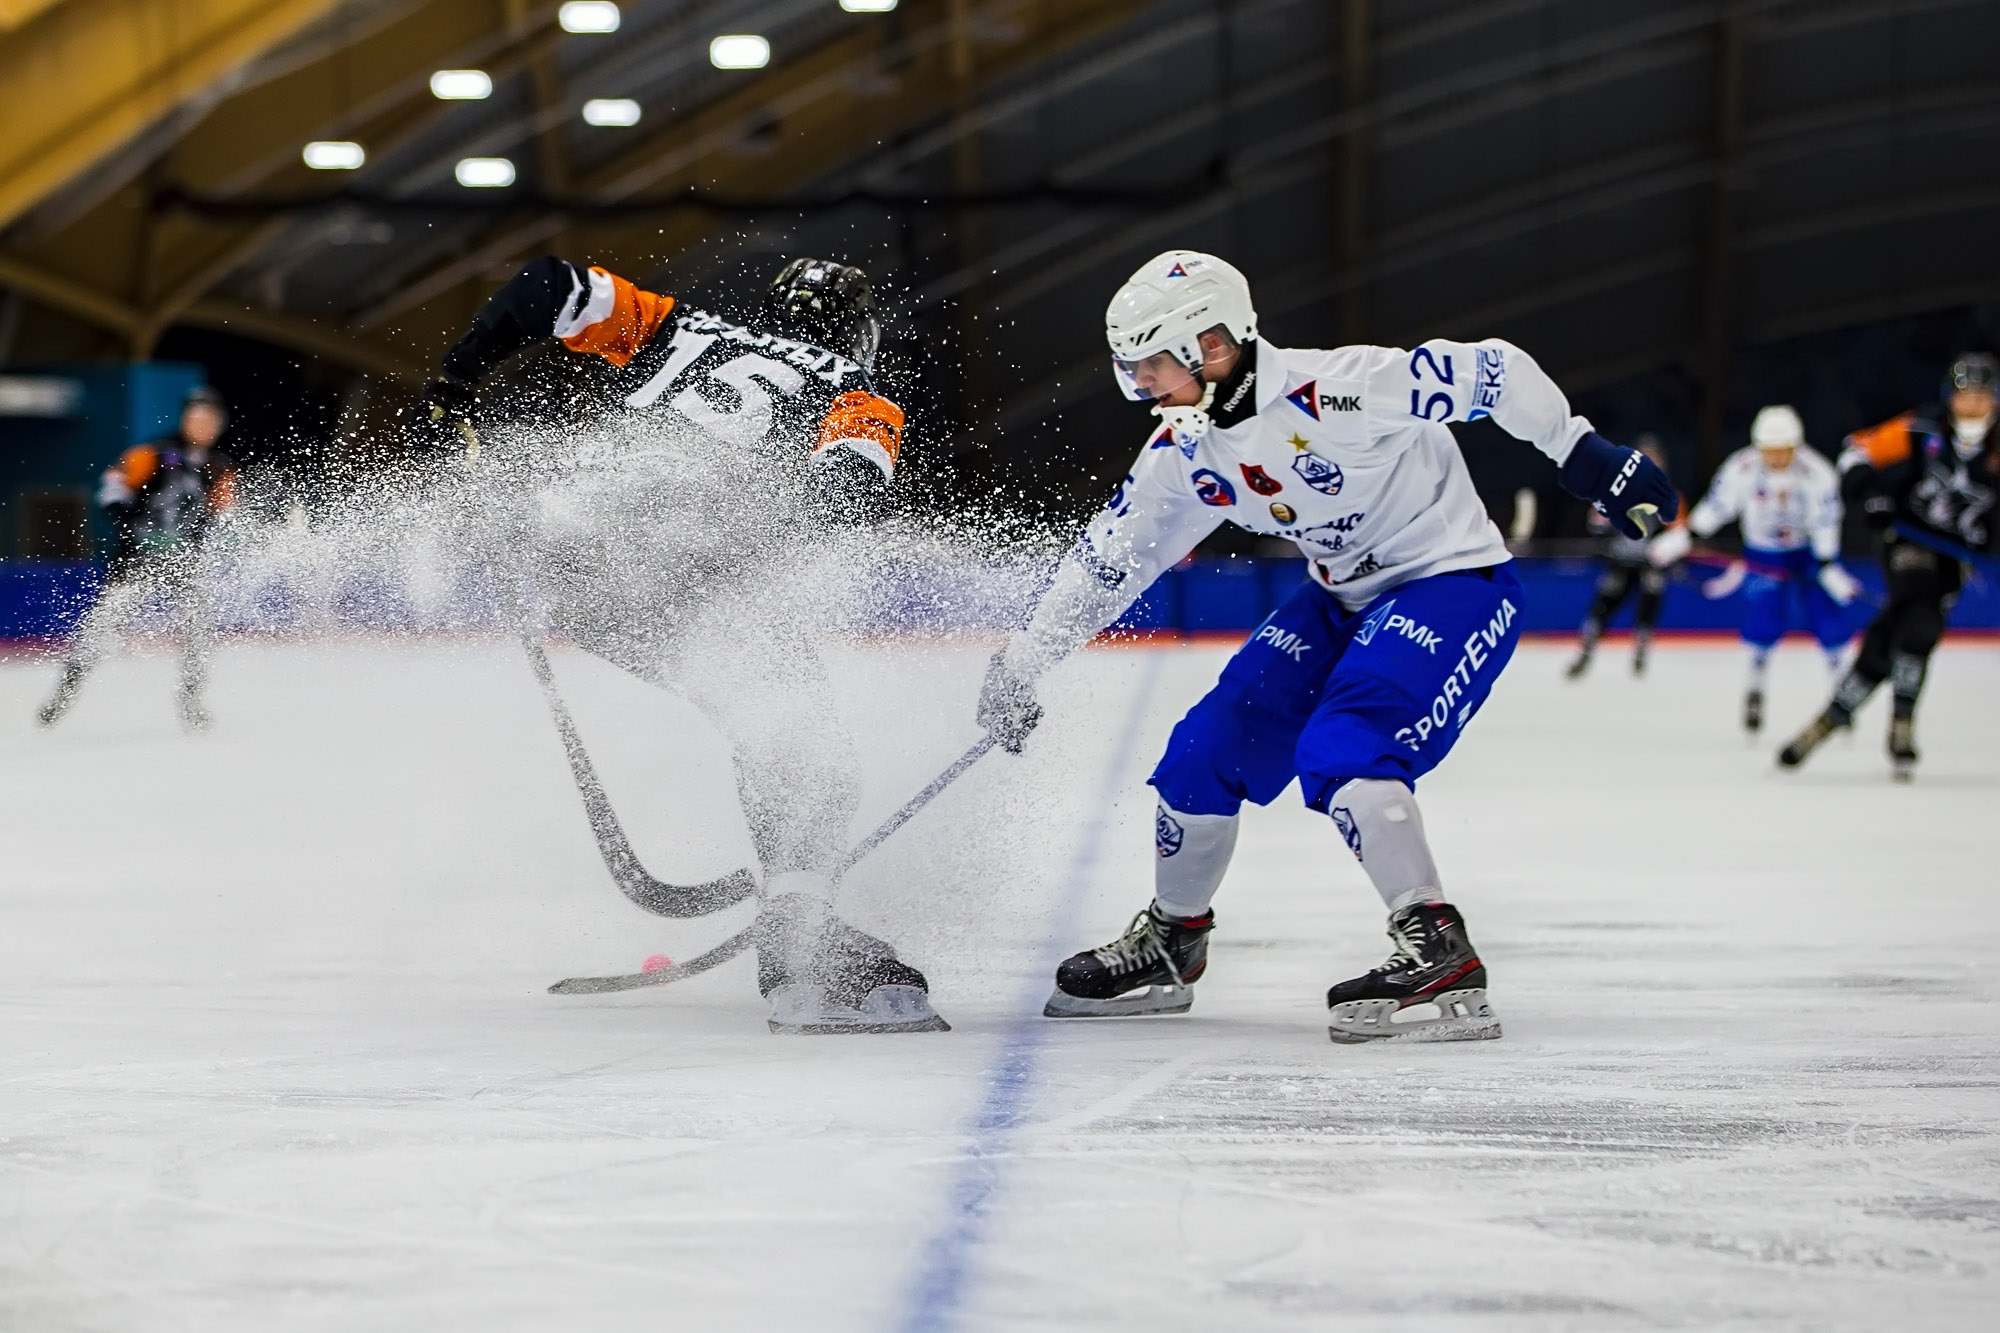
16	13
80	80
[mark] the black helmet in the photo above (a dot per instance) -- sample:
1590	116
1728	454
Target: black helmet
203	396
826	304
1974	370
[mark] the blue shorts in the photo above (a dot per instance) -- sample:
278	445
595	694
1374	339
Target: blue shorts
1775	580
1325	695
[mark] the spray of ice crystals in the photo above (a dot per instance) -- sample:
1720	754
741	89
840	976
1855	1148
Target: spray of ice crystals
792	607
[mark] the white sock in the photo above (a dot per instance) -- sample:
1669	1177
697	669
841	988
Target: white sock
1194	852
1760	663
1385	831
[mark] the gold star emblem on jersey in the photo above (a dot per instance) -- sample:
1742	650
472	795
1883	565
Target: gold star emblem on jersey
1298	442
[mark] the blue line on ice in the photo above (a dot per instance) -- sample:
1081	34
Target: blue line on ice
938	1294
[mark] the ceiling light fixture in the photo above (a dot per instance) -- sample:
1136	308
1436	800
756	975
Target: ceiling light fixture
484	173
588	16
739	51
461	85
334	155
867	6
614	111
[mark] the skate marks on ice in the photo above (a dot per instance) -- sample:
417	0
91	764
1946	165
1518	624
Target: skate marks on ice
293	1071
949	1265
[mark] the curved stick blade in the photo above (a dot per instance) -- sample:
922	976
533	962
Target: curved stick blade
715	957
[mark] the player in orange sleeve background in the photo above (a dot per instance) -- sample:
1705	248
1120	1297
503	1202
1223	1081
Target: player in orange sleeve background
1926	481
162	499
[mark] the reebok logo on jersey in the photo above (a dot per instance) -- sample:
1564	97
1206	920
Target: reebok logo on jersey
1236	398
1285	641
1306	398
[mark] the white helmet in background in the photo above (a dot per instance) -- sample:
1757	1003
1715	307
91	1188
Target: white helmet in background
1777	427
1166	306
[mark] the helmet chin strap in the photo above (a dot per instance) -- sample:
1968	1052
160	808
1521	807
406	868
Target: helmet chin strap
1188	424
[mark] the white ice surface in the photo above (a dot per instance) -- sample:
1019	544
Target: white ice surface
275	1051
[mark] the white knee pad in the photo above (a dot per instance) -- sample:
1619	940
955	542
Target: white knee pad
1385	831
1194	851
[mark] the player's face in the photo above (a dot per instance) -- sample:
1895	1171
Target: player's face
1971	404
201	425
1160	378
1778	459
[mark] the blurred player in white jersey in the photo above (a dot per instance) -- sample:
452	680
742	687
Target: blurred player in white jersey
1360	683
1787	500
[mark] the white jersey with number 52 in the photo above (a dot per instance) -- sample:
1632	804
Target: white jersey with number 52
1346	454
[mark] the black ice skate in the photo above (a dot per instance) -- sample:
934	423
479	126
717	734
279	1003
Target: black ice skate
1162	953
1433	988
63	696
1902	748
823	976
1800	746
1753	712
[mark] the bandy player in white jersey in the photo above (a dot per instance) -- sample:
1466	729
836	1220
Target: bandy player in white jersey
1787	500
1361	682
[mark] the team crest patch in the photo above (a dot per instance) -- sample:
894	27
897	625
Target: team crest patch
1212	488
1260	481
1319	474
1167	833
1366	634
1167	439
1305	398
1284	513
1343	819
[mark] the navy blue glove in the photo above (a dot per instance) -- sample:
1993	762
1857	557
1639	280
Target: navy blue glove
1626	486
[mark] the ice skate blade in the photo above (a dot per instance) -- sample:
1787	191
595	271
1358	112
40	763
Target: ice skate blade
1175	999
1461	1015
804	1010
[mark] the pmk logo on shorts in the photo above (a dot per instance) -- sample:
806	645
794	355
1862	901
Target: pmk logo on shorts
1285	641
1167	833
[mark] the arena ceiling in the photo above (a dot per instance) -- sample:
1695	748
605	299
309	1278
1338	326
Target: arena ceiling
1618	185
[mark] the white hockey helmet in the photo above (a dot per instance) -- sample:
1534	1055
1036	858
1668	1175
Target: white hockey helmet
1777	427
1166	306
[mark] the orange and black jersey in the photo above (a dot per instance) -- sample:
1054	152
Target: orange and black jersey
160	496
1913	462
748	389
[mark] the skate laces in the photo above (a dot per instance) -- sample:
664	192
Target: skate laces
1409	950
1141	944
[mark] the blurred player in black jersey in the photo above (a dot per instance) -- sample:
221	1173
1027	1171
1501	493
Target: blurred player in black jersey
1628	573
162	498
1926	481
678	551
